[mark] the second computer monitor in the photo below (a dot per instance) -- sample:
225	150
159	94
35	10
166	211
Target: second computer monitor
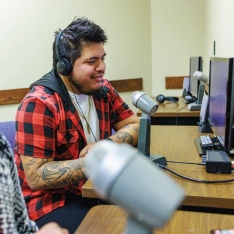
195	65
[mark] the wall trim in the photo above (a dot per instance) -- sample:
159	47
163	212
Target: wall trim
15	96
174	82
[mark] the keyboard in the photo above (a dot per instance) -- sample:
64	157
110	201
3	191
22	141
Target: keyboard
217	144
209	143
206	142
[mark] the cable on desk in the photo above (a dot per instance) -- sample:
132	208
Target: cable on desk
195	180
181	108
200	164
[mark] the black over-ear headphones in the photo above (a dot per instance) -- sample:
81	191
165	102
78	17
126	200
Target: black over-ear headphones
63	66
161	98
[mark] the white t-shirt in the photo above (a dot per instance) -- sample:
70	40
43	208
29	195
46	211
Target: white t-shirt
86	107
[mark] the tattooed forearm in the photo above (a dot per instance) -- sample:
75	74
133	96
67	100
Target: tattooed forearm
135	129
79	168
48	174
32	172
128	134
55	174
124	137
63	173
78	164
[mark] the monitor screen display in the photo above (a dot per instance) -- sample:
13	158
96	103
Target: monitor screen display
221	100
195	65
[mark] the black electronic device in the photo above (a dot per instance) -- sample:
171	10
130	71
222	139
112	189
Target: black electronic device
221	101
217	162
63	66
161	98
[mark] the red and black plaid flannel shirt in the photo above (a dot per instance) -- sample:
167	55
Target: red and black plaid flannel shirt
49	127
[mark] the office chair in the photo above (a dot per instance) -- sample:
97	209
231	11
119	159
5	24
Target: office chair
8	129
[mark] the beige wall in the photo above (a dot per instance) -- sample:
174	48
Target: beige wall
177	29
147	38
27	29
219	27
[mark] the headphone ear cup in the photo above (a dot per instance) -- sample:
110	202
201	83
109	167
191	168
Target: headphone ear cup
64	67
160	98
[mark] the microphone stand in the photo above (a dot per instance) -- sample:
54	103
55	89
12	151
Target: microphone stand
135	226
144	140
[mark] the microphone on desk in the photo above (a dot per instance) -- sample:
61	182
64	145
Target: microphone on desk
143	102
129	179
200	76
148	107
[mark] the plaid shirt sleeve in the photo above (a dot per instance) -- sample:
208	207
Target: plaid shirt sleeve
45	129
36	128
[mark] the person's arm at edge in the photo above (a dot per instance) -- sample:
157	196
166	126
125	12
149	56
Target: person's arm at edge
52	228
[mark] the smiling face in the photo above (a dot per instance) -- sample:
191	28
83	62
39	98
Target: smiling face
88	70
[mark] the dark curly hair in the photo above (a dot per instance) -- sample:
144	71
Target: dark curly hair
81	31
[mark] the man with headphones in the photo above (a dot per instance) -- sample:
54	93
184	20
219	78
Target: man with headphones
65	113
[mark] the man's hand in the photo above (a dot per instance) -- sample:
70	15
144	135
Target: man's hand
85	150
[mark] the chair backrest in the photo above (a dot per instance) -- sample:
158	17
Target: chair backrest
8	129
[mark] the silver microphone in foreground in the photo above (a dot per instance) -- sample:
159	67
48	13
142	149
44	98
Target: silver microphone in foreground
131	180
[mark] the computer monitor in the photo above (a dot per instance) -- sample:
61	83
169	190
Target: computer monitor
221	101
195	65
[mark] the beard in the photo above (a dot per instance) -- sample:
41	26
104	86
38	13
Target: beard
81	88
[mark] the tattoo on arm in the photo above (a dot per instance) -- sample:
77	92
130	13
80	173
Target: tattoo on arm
55	174
52	173
127	137
78	169
135	129
124	137
35	174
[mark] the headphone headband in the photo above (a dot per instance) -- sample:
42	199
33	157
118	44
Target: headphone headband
57	39
161	98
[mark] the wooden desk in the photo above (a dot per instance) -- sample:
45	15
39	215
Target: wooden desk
174	113
105	219
176	143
